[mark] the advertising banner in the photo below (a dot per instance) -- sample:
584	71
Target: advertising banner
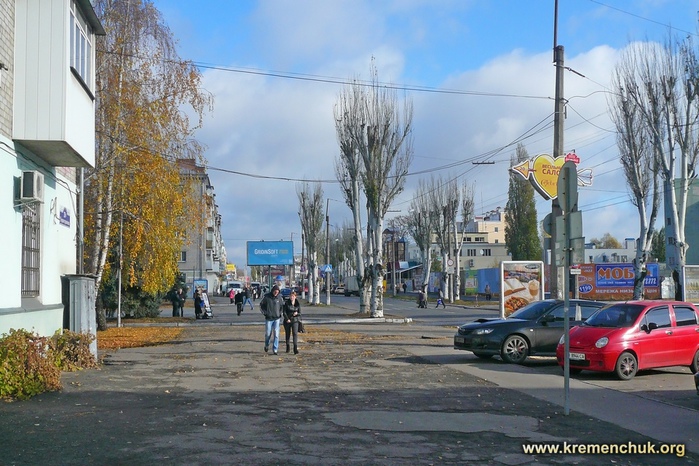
691	283
270	253
614	282
521	283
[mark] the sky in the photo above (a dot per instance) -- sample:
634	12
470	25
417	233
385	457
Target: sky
479	74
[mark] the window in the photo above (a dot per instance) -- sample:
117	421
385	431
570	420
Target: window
685	316
183	256
658	316
486	252
31	250
471	252
496	229
80	44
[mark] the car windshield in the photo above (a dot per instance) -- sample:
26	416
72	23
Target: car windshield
616	316
532	311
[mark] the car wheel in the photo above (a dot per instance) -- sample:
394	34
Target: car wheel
626	366
694	367
483	355
515	349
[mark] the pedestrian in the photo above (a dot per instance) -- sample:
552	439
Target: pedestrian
488	294
292	319
181	298
239	301
440	299
197	303
272	307
247	293
172	296
405	287
421	299
231	294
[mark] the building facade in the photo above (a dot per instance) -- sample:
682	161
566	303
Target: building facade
47	134
203	257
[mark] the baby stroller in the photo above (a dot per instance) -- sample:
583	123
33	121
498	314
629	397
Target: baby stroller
422	300
206	312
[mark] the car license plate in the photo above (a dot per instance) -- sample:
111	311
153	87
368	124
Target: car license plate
459	339
577	356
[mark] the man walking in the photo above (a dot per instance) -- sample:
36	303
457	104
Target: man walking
272	307
248	297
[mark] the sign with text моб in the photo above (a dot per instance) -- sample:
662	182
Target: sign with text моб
614	282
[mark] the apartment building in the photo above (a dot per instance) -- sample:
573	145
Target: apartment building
47	134
203	256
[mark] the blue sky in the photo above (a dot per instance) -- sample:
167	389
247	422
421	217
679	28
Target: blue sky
501	50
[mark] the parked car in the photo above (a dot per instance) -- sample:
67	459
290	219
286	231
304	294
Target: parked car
339	289
531	330
627	337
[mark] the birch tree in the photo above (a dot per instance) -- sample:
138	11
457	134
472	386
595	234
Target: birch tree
382	131
639	164
145	97
311	216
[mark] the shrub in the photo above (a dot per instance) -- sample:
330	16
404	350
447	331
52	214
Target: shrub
27	365
30	364
72	350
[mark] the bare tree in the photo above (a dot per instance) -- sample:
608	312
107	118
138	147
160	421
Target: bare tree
420	225
664	88
381	133
349	170
444	198
640	167
467	207
311	216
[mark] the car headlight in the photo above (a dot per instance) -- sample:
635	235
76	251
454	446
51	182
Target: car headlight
483	331
602	342
562	340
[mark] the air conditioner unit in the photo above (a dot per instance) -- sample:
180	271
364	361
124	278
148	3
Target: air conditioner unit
32	186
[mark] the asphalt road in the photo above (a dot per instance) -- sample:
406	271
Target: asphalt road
379	393
673	385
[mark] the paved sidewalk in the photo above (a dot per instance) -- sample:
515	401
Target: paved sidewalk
360	392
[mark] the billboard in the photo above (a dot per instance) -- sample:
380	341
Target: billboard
614	282
691	283
270	252
521	283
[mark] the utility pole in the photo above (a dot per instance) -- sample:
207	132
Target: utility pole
556	278
327	252
393	251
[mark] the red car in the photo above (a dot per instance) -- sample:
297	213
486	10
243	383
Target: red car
635	335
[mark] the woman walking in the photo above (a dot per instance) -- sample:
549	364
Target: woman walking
292	317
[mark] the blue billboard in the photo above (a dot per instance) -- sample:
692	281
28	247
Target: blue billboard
270	253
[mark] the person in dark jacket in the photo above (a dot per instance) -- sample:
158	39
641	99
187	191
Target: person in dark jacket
239	298
292	317
272	307
197	303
